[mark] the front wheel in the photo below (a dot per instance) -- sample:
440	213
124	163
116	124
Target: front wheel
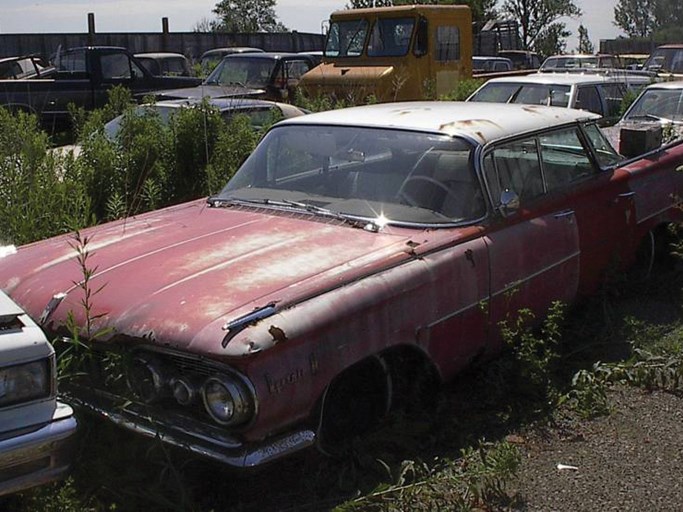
353	403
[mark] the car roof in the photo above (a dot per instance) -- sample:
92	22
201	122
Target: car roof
265	55
562	78
159	55
490	57
675	84
482	122
233	49
220	103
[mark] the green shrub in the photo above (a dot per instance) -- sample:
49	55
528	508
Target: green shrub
463	89
41	193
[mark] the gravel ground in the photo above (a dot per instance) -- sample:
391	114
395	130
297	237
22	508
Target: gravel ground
630	460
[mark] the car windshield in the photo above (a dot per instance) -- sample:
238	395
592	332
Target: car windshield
528	94
665	59
666	104
245	71
346	38
390	37
112	128
570	62
382	176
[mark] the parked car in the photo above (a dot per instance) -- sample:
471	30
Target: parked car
522	59
260	112
580	61
36	430
210	58
165	63
84	77
345	262
659	105
632	61
666	59
486	64
30	66
601	94
266	75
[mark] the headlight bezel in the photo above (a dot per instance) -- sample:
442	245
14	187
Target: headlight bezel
242	400
13	380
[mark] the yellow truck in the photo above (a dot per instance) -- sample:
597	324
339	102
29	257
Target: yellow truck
395	53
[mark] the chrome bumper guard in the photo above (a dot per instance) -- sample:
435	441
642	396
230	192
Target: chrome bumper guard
37	455
189	434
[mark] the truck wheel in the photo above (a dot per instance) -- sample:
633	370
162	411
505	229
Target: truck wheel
353	403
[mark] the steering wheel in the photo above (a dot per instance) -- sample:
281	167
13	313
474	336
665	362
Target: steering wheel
410	200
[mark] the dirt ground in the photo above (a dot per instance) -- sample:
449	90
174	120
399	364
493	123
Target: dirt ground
630	460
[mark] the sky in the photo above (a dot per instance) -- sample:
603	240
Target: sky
31	16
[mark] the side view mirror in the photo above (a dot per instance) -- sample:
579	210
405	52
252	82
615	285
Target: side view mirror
509	202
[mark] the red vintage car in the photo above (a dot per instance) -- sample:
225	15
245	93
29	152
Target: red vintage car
353	250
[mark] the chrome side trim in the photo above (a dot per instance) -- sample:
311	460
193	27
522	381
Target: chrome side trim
515	284
241	323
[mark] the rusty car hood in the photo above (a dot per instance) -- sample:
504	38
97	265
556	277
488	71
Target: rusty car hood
176	276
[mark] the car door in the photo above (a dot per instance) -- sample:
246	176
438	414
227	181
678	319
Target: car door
600	198
533	248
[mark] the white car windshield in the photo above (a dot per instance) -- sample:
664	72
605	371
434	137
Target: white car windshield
401	177
663	104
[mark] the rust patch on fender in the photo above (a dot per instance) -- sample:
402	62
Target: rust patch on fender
277	334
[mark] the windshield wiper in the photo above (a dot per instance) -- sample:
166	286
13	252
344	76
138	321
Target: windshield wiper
368	225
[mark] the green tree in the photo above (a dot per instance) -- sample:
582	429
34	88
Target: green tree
252	16
636	17
668	15
552	40
585	45
538	20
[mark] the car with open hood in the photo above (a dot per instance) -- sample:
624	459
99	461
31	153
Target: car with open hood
354	254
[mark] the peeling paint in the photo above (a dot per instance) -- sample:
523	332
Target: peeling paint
277	334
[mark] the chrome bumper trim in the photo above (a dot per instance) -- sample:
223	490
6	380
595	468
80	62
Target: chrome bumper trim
52	440
204	440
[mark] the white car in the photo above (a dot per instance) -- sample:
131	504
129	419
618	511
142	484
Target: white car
36	430
598	93
659	105
660	102
260	113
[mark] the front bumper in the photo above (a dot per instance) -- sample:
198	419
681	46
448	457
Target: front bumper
189	434
37	455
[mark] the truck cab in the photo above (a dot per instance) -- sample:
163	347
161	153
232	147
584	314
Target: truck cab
394	53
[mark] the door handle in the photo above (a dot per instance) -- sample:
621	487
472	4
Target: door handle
623	195
563	214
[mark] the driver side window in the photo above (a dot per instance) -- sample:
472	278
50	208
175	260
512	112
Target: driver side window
115	66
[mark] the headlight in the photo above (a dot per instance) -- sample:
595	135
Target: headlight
227	400
25	382
147	378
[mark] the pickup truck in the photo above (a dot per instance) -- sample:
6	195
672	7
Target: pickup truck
84	76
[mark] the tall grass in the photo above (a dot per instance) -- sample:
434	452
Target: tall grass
148	165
